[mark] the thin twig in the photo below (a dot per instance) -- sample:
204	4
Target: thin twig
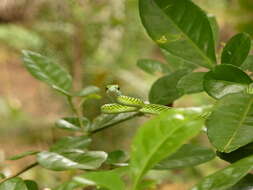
21	172
115	123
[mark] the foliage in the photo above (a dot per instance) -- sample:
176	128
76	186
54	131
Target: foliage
188	37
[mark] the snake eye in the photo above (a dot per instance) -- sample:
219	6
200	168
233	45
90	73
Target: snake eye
118	88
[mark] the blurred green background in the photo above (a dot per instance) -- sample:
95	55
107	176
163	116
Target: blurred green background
99	42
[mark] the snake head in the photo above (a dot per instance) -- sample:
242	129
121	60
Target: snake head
113	90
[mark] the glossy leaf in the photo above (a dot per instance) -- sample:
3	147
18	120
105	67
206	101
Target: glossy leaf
159	138
180	27
106	120
230	125
191	83
22	155
71	142
225	79
72	123
31	185
177	63
13	184
107	179
45	70
245	183
227	177
71	159
238	154
164	90
215	28
87	91
152	66
236	50
187	156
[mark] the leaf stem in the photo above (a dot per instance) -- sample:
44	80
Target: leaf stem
21	172
74	110
115	123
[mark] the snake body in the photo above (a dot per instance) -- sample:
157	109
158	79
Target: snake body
129	104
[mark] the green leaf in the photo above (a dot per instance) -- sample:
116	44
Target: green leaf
164	90
31	185
236	50
72	123
45	70
70	142
230	125
107	179
152	66
238	154
245	183
22	155
116	157
191	83
187	156
159	138
215	28
87	91
176	63
227	177
71	159
248	63
180	27
107	120
69	185
13	184
225	79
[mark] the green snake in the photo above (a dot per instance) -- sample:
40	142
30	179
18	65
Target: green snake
122	103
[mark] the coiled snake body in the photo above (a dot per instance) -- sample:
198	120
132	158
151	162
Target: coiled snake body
123	103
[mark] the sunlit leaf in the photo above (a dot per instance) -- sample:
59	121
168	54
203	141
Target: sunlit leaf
71	159
159	138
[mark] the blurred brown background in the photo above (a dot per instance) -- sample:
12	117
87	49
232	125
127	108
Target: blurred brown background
99	42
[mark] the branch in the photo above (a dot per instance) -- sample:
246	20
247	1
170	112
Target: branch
117	122
21	172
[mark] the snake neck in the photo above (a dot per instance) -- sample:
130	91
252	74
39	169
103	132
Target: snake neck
113	95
